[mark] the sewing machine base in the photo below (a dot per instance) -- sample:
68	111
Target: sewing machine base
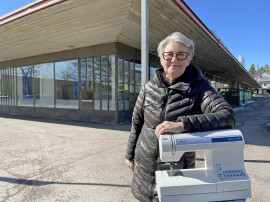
199	185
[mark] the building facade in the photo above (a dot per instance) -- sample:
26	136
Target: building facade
60	61
263	78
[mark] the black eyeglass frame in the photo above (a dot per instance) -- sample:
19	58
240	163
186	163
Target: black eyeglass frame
187	54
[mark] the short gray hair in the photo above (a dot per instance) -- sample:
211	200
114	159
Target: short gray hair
178	37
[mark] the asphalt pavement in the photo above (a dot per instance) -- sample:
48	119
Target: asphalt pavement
54	160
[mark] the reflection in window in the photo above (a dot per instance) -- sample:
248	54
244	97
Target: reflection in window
44	85
138	70
126	84
213	83
129	83
132	95
120	84
97	84
13	86
87	84
152	72
4	87
66	78
1	87
24	86
111	87
104	82
97	87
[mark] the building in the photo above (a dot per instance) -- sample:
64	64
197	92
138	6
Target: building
241	60
263	78
81	60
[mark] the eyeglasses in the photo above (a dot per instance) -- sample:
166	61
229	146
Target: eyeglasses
179	55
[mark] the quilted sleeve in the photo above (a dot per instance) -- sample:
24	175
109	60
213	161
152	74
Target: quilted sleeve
217	113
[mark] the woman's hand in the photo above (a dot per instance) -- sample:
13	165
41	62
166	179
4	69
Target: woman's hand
169	127
130	164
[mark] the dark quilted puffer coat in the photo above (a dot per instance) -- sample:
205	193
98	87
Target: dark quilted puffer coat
190	99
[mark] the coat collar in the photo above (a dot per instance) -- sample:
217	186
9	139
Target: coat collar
192	74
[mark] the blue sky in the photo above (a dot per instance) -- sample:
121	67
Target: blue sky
7	6
242	25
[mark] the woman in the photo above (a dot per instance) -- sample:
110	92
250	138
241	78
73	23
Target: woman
178	99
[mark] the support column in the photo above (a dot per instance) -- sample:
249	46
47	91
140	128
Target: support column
144	42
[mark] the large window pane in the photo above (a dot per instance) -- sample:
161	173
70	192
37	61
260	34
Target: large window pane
97	84
138	70
1	93
24	86
66	78
44	85
87	83
120	84
104	82
132	97
13	86
112	83
126	83
5	95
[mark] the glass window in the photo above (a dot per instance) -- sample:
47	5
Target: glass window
9	87
111	87
24	86
213	83
138	70
0	86
152	72
5	87
87	83
44	85
120	84
126	84
90	74
66	78
104	82
13	86
132	95
97	83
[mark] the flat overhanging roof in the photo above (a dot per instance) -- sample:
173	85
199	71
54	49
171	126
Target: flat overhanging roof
48	26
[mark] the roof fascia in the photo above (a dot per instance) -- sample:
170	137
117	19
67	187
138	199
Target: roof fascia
27	10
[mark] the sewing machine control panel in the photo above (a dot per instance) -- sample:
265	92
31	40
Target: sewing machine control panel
232	175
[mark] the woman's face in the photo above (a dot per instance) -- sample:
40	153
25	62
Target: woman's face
175	68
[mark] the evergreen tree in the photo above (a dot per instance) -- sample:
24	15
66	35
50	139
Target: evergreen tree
252	69
261	68
266	67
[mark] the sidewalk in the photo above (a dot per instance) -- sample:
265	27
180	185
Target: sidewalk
46	160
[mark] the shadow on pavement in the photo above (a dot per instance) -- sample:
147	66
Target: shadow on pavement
43	183
119	127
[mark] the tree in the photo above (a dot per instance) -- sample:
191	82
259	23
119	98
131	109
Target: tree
252	69
266	67
261	68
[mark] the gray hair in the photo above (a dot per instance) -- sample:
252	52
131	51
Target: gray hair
178	37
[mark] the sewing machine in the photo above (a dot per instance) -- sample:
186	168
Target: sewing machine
223	177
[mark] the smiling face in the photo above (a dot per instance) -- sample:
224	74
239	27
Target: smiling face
175	68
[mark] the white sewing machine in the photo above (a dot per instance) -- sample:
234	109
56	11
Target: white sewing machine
223	177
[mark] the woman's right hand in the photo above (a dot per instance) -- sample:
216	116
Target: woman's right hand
130	164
